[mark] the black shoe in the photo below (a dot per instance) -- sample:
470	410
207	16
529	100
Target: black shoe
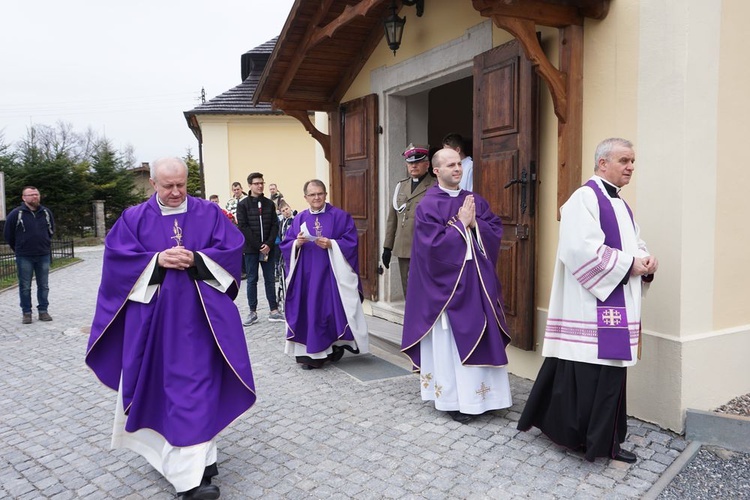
337	354
462	418
202	492
625	456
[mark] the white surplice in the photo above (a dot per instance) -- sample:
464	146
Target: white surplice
587	270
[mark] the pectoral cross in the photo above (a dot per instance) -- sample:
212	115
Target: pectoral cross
318	228
177	230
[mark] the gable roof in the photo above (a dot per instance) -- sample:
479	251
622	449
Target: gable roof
238	100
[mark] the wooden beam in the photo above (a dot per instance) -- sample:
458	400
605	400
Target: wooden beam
356	65
538	11
595	9
291	104
323	139
569	132
301	51
361	9
525	32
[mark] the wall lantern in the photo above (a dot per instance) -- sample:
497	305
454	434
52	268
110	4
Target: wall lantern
394	25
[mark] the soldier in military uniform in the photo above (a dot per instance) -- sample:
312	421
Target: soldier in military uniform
399	229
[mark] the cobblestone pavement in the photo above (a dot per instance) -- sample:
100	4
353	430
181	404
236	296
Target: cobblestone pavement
311	434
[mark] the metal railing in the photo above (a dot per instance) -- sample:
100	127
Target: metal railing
60	249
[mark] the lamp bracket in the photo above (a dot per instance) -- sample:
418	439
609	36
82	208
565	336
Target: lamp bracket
418	3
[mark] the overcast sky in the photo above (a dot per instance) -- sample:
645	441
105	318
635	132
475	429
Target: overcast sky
126	68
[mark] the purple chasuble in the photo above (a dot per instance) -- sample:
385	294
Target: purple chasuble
314	312
441	279
182	357
613	336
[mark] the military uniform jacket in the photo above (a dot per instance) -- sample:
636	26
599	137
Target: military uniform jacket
399	230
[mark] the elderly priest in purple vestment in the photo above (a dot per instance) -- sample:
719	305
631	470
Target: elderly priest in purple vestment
167	335
323	308
594	319
454	325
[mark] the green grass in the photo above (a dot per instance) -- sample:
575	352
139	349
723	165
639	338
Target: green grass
56	264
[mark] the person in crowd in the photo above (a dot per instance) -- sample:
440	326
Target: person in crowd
276	195
166	333
287	216
457	143
28	231
258	221
455	331
214	198
237	196
324	313
593	325
399	229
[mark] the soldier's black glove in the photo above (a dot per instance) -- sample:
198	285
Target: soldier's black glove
387	258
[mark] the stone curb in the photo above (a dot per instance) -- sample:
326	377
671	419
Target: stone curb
673	470
718	429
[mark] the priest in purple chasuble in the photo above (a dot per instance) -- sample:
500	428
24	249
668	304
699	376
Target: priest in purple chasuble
454	326
167	335
323	308
593	325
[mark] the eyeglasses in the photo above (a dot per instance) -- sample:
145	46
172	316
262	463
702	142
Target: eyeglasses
257	183
315	195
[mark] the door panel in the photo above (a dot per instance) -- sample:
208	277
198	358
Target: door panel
505	154
354	179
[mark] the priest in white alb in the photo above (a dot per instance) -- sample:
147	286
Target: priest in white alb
594	320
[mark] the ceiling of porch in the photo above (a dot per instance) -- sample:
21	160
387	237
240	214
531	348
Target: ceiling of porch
325	43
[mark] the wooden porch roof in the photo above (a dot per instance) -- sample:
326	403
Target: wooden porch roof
325	43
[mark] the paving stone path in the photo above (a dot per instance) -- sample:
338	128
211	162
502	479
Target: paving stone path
311	434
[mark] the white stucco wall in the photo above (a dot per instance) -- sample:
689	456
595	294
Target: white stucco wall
277	146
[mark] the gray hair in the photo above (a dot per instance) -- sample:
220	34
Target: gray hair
167	162
605	147
314	182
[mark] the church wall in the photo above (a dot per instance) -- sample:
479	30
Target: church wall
216	157
691	111
441	22
732	271
278	147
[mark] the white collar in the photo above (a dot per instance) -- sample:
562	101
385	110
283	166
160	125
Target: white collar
452	193
165	210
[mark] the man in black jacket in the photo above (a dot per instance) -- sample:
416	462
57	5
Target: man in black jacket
28	231
256	217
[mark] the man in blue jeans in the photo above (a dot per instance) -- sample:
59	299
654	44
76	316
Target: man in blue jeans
256	217
28	230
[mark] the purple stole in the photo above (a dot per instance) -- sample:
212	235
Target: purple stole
613	335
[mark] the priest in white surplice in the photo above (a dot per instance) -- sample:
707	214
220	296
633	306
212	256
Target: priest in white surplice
594	320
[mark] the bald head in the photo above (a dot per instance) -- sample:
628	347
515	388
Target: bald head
446	163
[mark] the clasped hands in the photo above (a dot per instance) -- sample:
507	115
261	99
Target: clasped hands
644	266
321	241
467	214
176	258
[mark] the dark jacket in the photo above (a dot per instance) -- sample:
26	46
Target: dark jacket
250	212
29	233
